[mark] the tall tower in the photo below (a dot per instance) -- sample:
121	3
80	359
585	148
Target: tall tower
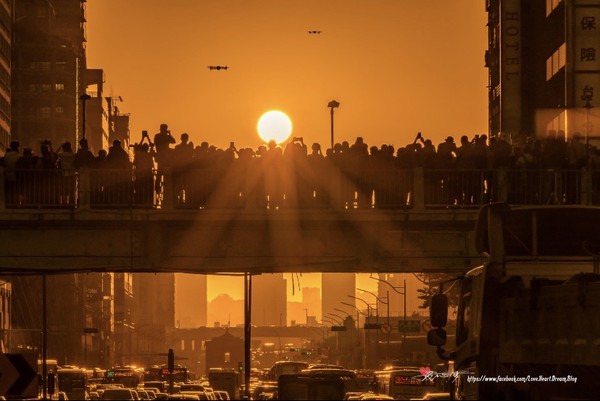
154	315
335	288
544	68
190	300
269	300
6	11
49	71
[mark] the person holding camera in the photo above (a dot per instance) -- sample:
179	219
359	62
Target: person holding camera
162	146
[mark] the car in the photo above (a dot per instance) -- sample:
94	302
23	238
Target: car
375	396
224	395
119	394
180	396
434	396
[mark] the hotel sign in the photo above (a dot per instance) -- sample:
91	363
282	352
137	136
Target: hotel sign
586	62
510	66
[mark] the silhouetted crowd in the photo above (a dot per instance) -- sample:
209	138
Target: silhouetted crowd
293	175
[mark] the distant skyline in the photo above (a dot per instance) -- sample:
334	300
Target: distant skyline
397	67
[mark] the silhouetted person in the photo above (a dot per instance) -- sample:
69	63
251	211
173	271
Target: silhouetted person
84	156
162	146
9	161
144	179
66	163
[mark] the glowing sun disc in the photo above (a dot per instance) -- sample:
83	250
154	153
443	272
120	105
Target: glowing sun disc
274	125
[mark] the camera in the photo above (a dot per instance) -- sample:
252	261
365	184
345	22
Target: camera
138	145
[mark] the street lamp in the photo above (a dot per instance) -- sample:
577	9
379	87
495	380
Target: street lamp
84	98
366	303
403	293
332	105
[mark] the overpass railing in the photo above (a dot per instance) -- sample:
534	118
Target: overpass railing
276	190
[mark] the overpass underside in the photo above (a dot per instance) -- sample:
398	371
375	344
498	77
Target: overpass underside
232	241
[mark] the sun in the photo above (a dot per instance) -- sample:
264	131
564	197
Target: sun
274	125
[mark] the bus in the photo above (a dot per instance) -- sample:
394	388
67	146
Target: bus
285	368
226	379
318	384
404	383
73	382
128	376
161	373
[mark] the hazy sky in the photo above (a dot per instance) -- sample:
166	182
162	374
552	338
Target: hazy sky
396	66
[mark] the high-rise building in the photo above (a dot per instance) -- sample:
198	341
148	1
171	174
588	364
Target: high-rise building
269	300
335	289
190	300
544	68
5	326
6	23
48	76
153	316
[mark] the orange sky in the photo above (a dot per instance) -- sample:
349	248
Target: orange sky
396	66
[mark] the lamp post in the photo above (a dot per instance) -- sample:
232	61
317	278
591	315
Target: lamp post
403	293
366	303
84	98
332	105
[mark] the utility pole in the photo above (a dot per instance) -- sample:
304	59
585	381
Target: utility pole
84	98
332	105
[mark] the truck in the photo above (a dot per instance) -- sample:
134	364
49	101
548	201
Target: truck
528	319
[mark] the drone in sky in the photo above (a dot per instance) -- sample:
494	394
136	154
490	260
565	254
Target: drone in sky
314	32
218	67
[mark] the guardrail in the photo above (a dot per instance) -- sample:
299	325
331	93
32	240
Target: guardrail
414	189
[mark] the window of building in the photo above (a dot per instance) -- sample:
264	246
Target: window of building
60	65
558	123
555	62
45	88
44	111
59	110
227	358
193	345
183	345
551	5
59	87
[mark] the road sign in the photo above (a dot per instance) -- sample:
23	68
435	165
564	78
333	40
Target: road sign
90	330
18	375
386	328
409	326
338	328
372	326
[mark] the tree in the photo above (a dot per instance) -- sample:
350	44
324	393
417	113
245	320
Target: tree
431	285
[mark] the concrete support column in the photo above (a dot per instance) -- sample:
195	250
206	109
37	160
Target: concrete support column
418	189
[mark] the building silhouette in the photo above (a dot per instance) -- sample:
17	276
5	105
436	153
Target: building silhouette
544	67
269	300
49	64
154	316
190	300
6	24
335	288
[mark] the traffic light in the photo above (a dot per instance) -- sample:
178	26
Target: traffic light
171	360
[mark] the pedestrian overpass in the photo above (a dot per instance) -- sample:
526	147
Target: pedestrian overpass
405	221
